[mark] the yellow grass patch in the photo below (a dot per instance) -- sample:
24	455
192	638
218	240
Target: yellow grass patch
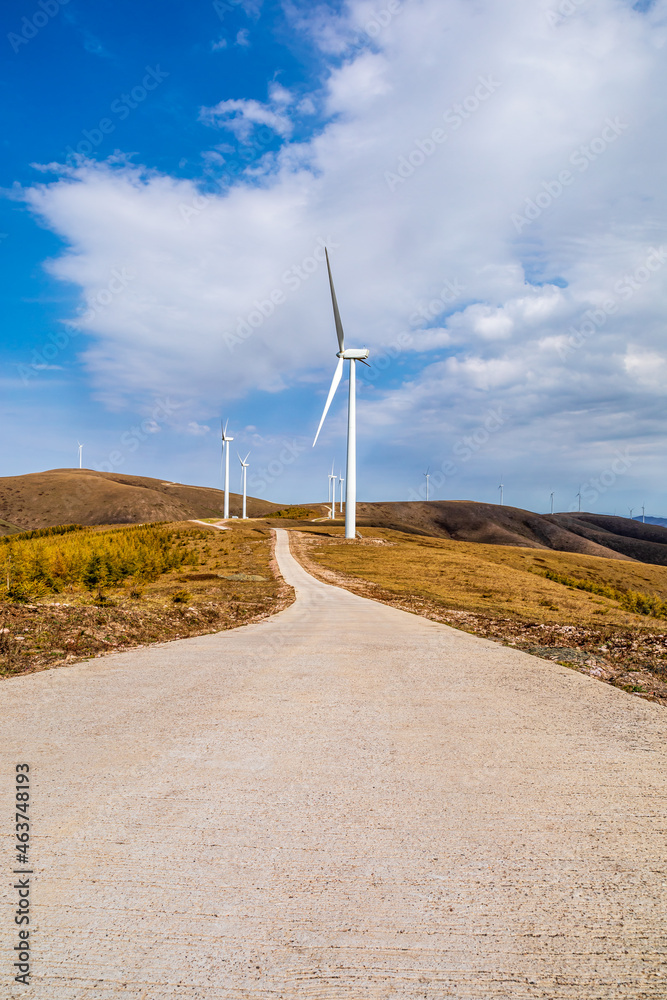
493	579
64	597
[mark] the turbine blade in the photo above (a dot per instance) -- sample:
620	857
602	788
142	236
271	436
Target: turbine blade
364	362
335	382
246	458
339	325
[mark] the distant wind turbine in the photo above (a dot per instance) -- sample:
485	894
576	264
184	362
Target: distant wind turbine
631	510
427	476
342	480
244	473
351	355
226	441
80	454
643	514
579	499
501	494
552	503
332	491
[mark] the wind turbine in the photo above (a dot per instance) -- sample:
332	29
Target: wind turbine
332	491
643	514
80	454
427	475
244	473
226	440
552	503
579	499
631	510
501	493
342	480
351	355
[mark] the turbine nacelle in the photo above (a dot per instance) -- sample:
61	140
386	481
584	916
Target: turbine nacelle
353	354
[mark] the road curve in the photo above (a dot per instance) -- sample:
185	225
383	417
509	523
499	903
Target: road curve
344	801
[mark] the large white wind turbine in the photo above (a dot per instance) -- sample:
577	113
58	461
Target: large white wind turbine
244	467
226	440
351	355
80	454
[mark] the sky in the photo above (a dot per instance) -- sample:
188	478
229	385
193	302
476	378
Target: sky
488	179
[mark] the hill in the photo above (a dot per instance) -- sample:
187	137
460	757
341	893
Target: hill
467	521
83	496
652	520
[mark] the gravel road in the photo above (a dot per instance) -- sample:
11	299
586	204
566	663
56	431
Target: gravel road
344	801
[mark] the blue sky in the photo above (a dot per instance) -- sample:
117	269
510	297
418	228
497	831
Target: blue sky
488	183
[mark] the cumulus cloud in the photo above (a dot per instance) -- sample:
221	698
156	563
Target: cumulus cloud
438	136
240	116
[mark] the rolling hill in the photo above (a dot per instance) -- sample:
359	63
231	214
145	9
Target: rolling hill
83	496
468	521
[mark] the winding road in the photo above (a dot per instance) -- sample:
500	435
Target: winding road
343	801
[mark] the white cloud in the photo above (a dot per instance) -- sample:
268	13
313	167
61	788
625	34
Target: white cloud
648	367
239	116
512	100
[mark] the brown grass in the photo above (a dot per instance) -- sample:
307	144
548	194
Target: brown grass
84	496
495	580
234	582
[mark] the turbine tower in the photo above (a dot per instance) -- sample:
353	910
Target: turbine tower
342	480
501	494
579	498
427	476
552	503
226	441
351	355
80	454
244	467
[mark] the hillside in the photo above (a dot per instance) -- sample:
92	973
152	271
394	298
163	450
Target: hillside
467	521
83	496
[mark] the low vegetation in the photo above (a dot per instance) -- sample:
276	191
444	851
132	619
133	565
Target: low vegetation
73	592
632	600
599	615
71	559
296	513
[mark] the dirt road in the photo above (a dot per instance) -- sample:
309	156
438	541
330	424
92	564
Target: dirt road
344	801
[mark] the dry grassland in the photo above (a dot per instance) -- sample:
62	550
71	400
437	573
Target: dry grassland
69	597
502	592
